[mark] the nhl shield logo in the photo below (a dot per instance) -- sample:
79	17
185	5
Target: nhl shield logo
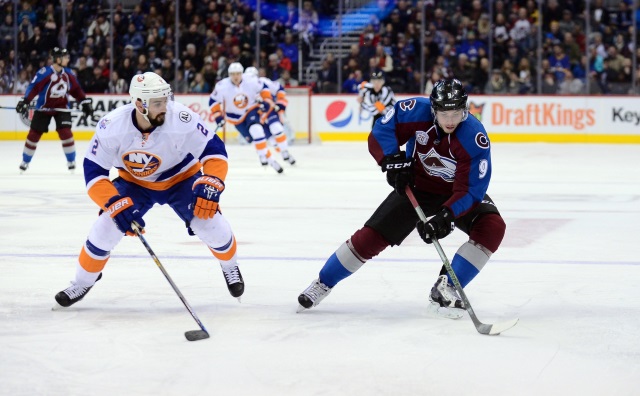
422	137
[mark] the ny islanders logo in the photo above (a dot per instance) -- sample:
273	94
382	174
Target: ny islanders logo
338	114
140	163
240	101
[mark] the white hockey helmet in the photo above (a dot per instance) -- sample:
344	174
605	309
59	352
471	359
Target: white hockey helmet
235	67
251	71
148	86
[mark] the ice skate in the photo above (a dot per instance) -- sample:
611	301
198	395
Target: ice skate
312	295
288	157
24	166
71	165
445	300
72	294
274	164
234	280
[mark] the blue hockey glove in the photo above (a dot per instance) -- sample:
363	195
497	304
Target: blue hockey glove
123	213
399	170
439	226
206	194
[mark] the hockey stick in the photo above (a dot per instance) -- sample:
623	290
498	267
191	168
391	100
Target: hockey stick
192	335
487	329
45	109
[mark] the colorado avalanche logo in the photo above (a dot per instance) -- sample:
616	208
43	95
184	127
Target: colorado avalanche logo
436	165
240	101
338	114
140	78
407	105
482	141
140	163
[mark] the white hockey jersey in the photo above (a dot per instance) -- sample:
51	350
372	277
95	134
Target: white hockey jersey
156	160
237	100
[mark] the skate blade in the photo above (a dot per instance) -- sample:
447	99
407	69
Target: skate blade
444	312
301	309
58	307
239	299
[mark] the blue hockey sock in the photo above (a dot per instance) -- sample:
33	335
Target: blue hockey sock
333	271
468	261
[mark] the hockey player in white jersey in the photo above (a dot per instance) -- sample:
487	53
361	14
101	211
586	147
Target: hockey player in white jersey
164	154
273	128
245	102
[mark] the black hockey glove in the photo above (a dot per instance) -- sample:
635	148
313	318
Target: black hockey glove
439	226
87	110
399	170
22	106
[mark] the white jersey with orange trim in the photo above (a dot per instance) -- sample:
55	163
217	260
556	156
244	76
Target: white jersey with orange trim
156	160
237	100
277	91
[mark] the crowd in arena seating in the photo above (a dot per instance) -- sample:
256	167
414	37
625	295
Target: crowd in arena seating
215	33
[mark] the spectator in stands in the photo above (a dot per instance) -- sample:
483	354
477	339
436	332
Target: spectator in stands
273	68
549	84
199	85
328	77
463	71
102	23
20	86
133	38
285	63
286	80
118	85
525	82
290	49
99	83
291	17
571	85
431	82
497	83
559	62
522	27
351	84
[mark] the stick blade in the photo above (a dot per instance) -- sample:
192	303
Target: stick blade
496	328
196	335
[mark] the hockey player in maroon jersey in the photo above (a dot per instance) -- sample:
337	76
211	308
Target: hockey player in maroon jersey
448	167
53	84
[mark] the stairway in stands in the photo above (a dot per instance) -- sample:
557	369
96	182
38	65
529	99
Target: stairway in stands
356	16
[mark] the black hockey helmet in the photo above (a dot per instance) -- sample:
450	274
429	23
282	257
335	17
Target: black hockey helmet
58	52
377	75
448	94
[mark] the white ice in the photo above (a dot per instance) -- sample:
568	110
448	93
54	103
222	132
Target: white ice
569	268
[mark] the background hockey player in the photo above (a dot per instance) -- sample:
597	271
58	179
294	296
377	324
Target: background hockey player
53	84
375	97
164	155
448	165
273	126
237	98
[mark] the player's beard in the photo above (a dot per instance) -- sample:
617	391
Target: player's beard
157	120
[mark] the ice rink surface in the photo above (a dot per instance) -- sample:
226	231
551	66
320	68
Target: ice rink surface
569	268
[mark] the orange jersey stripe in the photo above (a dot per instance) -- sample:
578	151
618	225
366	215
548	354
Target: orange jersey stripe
216	167
237	121
161	185
102	191
216	108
